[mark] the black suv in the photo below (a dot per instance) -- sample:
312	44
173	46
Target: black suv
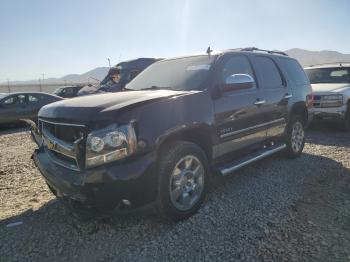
178	123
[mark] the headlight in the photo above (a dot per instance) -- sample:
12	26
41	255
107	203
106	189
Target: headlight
110	144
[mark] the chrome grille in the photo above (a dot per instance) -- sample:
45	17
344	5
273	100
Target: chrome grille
321	102
63	143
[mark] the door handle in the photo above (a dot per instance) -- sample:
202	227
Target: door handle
288	96
259	102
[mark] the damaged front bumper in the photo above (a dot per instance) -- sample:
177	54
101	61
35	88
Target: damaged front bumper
104	188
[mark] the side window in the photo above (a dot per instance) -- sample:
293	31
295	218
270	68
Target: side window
69	91
10	101
268	72
32	99
294	71
236	65
15	100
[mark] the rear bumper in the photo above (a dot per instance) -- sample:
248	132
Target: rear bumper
333	112
102	187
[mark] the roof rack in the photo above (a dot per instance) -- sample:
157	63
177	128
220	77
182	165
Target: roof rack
332	63
252	49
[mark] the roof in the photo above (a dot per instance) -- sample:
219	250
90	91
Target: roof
329	65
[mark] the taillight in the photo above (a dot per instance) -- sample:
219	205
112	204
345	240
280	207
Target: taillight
310	100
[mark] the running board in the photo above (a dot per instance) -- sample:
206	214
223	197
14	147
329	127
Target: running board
231	167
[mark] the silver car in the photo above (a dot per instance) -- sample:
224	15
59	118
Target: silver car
331	91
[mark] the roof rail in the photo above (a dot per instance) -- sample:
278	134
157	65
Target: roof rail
252	49
331	63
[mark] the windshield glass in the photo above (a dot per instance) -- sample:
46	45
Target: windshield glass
2	96
329	75
177	74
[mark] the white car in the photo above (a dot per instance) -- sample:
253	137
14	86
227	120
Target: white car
331	91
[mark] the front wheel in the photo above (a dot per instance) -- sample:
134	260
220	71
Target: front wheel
183	181
295	137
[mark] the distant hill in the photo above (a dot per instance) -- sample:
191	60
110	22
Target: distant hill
307	58
97	73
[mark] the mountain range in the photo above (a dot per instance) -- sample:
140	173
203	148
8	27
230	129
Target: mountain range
305	57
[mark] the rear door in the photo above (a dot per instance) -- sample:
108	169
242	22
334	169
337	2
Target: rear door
238	116
275	94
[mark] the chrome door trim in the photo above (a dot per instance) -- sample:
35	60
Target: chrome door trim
259	102
252	128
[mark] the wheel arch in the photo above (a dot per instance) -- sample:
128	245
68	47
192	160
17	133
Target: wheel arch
199	135
300	109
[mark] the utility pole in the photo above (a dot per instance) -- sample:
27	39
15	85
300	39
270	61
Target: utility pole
109	62
8	85
42	82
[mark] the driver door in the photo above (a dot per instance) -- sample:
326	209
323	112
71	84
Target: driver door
238	113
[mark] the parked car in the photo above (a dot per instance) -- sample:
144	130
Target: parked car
118	76
25	105
331	91
179	122
68	91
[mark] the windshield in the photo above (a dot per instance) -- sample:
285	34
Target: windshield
177	74
329	75
2	96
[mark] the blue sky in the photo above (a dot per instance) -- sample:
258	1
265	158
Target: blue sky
62	37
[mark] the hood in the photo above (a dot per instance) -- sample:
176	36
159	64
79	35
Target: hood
101	106
318	88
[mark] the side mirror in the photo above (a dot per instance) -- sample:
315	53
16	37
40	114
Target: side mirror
238	82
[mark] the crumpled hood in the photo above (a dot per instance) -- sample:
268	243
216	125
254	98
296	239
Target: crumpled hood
83	109
318	88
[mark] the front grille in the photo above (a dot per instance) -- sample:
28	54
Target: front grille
64	143
321	102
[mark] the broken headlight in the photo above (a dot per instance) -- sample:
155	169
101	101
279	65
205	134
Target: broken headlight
110	144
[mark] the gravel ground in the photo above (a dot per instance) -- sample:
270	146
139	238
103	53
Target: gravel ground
275	210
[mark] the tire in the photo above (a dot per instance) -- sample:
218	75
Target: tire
295	137
183	180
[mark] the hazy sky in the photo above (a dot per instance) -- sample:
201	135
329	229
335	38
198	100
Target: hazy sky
74	36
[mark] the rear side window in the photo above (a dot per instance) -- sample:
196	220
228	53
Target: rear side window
294	71
269	73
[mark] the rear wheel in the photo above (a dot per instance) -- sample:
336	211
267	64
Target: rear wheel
183	181
295	137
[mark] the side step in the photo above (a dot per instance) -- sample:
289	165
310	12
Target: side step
237	164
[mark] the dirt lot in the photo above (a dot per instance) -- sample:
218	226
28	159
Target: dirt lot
275	210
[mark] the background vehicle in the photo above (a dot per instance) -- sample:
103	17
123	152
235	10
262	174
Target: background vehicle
17	106
68	91
119	75
331	91
178	122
